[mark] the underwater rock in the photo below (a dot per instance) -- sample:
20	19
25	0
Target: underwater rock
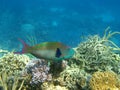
104	81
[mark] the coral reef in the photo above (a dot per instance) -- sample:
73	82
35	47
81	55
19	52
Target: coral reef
104	81
2	52
39	71
51	86
13	62
21	72
73	78
11	66
8	82
95	54
98	54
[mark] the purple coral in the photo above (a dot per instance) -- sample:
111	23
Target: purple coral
39	70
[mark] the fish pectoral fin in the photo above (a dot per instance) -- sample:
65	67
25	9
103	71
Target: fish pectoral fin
58	53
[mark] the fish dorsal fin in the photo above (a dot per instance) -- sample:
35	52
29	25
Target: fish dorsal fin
58	53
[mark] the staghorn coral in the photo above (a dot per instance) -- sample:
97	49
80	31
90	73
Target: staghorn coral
39	71
97	54
104	81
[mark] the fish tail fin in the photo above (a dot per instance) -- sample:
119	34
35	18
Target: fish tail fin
25	47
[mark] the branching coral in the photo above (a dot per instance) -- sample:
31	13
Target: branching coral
12	75
2	52
10	83
39	71
13	63
73	78
108	35
11	66
104	81
97	54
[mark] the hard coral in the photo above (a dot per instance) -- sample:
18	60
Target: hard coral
13	63
2	52
104	81
11	66
51	86
39	71
94	55
73	78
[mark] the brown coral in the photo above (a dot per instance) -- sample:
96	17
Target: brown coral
104	81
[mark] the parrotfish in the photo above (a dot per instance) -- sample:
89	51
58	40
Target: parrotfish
48	50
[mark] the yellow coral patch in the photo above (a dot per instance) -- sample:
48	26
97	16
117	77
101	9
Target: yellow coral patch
51	86
104	81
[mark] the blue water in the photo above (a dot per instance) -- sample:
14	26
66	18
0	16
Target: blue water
65	21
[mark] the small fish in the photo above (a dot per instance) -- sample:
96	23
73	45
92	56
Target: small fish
48	50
